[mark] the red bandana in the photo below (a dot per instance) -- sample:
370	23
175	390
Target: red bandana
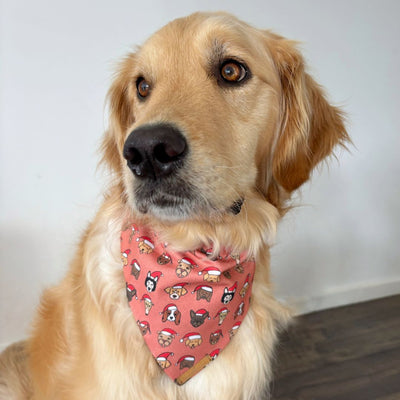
187	306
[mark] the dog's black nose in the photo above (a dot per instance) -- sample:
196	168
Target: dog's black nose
155	151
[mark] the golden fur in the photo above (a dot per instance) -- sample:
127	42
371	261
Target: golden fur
258	141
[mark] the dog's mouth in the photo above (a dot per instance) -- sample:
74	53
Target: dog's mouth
177	199
172	199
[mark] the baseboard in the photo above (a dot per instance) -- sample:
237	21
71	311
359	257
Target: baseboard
342	296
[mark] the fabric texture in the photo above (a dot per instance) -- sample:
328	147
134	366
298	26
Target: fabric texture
188	306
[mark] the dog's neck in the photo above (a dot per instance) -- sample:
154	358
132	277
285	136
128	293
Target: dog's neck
250	230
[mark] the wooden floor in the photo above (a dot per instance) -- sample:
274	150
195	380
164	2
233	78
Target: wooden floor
347	353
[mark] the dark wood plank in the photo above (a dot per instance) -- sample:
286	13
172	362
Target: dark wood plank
347	353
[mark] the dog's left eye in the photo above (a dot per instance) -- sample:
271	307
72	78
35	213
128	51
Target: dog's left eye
143	88
233	71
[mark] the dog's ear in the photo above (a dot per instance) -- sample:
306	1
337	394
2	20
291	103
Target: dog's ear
309	126
164	316
178	318
120	113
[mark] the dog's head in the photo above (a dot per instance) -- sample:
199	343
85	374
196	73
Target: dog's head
172	314
165	338
175	292
210	113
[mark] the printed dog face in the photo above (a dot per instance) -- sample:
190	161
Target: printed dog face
164	363
227	296
222	316
188	362
172	314
175	292
151	283
184	268
148	304
164	259
192	343
144	327
144	248
165	338
211	278
215	336
198	318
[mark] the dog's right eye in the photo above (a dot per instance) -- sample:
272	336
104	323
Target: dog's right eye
232	71
143	88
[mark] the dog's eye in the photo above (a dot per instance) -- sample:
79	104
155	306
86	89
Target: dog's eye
233	71
143	88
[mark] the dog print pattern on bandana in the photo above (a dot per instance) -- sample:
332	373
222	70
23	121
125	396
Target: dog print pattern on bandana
187	306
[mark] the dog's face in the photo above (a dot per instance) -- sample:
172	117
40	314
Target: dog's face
144	327
211	278
164	363
183	269
172	315
164	340
164	259
193	343
198	319
222	316
144	248
215	336
147	306
210	112
176	292
227	296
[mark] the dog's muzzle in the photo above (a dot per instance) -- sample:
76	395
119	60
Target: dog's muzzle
155	151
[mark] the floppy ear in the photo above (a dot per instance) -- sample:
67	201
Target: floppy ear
178	318
310	126
164	316
120	113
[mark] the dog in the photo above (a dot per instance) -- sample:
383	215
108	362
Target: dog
192	340
198	317
148	304
165	337
171	313
176	291
213	124
144	327
184	267
215	336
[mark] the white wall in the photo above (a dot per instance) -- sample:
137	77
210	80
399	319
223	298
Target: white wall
56	59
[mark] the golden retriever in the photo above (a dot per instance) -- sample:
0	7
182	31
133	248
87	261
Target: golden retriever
226	125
